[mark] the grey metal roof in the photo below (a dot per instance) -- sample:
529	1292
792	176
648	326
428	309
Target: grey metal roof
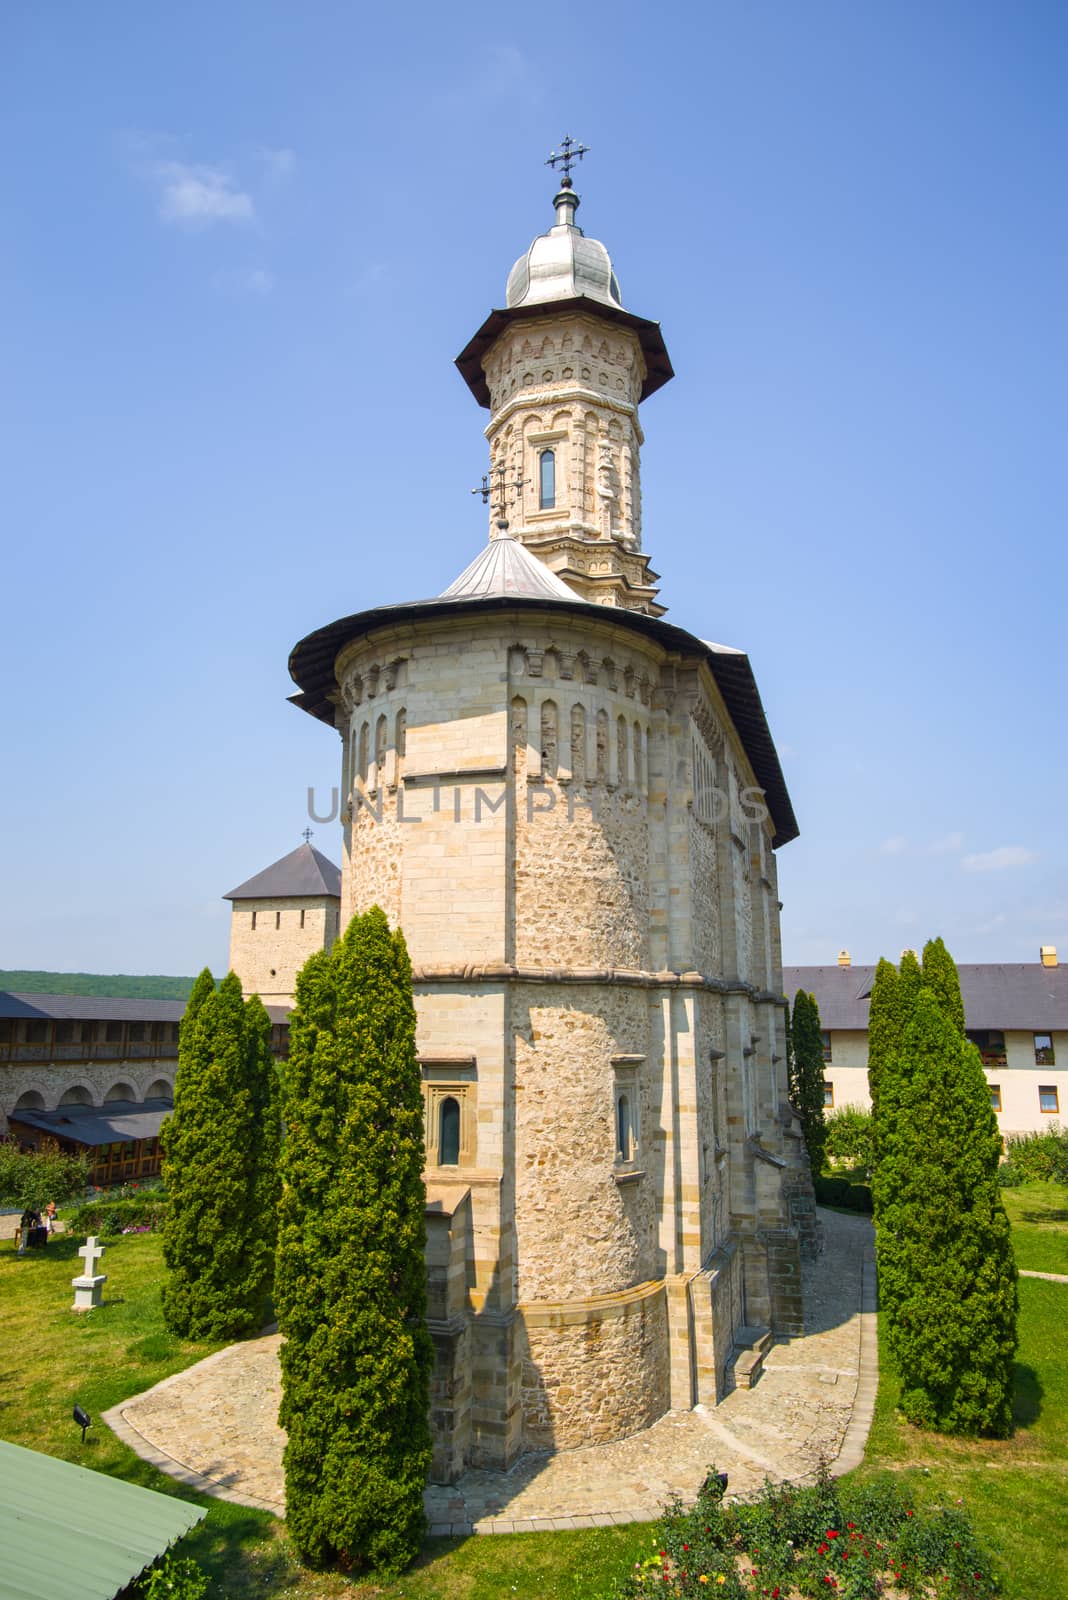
71	1534
99	1008
311	666
1006	995
305	873
507	567
563	263
118	1122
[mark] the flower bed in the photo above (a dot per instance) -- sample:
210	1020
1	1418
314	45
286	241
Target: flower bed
141	1212
865	1543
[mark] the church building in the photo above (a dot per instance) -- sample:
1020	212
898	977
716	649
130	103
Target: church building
571	807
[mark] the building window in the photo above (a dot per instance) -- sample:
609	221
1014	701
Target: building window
1047	1098
64	1033
1044	1050
825	1040
546	481
995	1097
449	1132
302	919
253	922
137	1033
828	1095
624	1141
114	1033
37	1033
991	1042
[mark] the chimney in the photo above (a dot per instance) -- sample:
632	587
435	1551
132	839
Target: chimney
844	958
1048	955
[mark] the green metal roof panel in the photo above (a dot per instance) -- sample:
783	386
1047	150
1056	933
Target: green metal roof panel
67	1533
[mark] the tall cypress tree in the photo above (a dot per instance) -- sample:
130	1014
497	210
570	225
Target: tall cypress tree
947	1277
218	1266
940	975
350	1285
806	1076
886	1026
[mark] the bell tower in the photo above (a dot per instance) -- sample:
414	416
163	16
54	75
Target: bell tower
563	369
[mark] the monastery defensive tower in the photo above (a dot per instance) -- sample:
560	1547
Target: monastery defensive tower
571	808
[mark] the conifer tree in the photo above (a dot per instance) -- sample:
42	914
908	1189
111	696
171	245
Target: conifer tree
886	1026
806	1076
265	1178
947	1277
940	975
215	1242
350	1287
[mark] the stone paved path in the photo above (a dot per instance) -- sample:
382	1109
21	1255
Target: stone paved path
1050	1277
214	1425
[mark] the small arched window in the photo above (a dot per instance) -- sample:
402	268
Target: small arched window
624	1133
449	1132
547	480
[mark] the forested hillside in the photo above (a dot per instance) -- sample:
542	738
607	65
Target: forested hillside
117	985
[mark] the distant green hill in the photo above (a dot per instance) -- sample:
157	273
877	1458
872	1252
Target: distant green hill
116	985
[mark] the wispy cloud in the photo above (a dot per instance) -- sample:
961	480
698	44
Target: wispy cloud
950	845
894	846
1002	859
193	196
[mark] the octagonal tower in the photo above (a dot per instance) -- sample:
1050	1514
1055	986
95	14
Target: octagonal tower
571	808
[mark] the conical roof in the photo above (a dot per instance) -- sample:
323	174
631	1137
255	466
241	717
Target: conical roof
304	874
506	567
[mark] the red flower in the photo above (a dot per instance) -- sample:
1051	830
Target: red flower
832	1533
822	1549
685	1547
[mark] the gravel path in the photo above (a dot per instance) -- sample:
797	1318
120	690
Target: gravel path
214	1426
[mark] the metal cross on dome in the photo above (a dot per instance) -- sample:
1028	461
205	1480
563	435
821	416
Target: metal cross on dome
568	153
501	490
307	836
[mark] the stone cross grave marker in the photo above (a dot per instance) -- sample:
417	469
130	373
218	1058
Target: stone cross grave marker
87	1285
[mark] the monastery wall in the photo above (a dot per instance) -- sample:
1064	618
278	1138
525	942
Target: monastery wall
46	1082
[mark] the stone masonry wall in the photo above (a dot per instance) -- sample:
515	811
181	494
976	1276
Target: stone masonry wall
99	1079
566	1184
595	1374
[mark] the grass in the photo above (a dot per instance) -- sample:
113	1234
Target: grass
1039	1216
1014	1489
53	1359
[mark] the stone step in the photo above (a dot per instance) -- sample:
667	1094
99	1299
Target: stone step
750	1347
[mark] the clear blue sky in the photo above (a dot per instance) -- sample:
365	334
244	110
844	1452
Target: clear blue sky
239	248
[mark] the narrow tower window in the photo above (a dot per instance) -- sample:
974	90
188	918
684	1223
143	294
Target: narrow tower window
623	1129
547	480
449	1133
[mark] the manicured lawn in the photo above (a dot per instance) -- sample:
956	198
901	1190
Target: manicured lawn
1015	1490
53	1359
1039	1216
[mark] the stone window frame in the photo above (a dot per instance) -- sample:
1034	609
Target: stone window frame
626	1084
450	1077
547	439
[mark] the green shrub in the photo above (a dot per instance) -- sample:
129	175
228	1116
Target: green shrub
841	1192
1039	1157
1009	1177
33	1177
851	1136
855	1543
174	1578
143	1213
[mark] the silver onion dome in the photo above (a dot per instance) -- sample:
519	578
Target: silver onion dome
563	263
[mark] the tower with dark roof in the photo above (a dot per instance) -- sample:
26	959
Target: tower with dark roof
279	918
571	808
